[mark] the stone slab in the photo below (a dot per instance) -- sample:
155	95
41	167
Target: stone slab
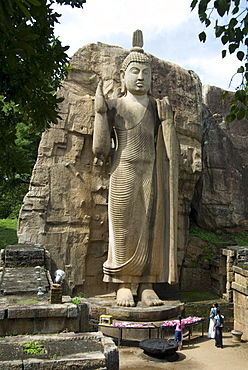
240	288
11	365
240	270
26	314
89	351
52	310
94	361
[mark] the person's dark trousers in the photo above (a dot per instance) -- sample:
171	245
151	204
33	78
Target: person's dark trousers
218	337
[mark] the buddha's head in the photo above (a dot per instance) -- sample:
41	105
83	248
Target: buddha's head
136	71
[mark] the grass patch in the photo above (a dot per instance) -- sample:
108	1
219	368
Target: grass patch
200	296
208	236
8	234
241	239
34	348
27	302
220	239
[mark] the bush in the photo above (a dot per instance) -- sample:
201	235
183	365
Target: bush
11	197
8	234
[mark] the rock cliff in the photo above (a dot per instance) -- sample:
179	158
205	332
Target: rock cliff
221	196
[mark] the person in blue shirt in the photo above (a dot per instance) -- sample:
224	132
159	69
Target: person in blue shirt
218	325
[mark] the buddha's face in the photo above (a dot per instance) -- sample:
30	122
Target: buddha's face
137	78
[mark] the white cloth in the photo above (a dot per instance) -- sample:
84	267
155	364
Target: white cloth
211	329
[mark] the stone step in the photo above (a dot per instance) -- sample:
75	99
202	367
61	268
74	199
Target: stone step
24	280
24	255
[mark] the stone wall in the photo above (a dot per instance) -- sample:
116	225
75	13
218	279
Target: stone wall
194	279
229	279
240	300
65	208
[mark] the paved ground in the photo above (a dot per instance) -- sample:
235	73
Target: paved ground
199	354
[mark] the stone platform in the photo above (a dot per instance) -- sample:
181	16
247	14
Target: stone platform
150	318
27	314
105	305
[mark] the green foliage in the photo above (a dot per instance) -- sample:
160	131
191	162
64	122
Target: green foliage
208	236
244	266
11	196
8	232
32	65
219	239
34	348
27	302
239	104
32	60
18	151
241	239
54	357
207	253
201	296
230	22
77	300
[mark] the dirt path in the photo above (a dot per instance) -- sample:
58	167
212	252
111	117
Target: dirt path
199	354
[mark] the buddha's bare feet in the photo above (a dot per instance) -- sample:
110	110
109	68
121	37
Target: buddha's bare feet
124	297
148	296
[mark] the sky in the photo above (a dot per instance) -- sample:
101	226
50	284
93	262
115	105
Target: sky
170	32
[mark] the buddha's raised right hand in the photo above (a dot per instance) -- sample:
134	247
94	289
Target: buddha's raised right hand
100	104
101	135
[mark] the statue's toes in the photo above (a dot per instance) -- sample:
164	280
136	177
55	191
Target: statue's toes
131	304
125	303
158	302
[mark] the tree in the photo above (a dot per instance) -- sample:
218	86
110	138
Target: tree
32	65
230	21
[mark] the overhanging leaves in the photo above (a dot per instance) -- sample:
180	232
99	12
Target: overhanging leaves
32	65
202	36
232	31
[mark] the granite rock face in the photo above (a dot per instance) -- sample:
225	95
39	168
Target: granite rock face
221	196
65	209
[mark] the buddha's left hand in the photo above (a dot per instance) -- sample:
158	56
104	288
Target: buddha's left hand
165	112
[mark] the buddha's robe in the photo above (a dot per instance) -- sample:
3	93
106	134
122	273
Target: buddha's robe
139	201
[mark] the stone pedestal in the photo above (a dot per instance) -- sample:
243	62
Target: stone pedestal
106	305
236	335
56	294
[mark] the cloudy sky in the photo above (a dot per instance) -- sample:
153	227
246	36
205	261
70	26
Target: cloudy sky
170	32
